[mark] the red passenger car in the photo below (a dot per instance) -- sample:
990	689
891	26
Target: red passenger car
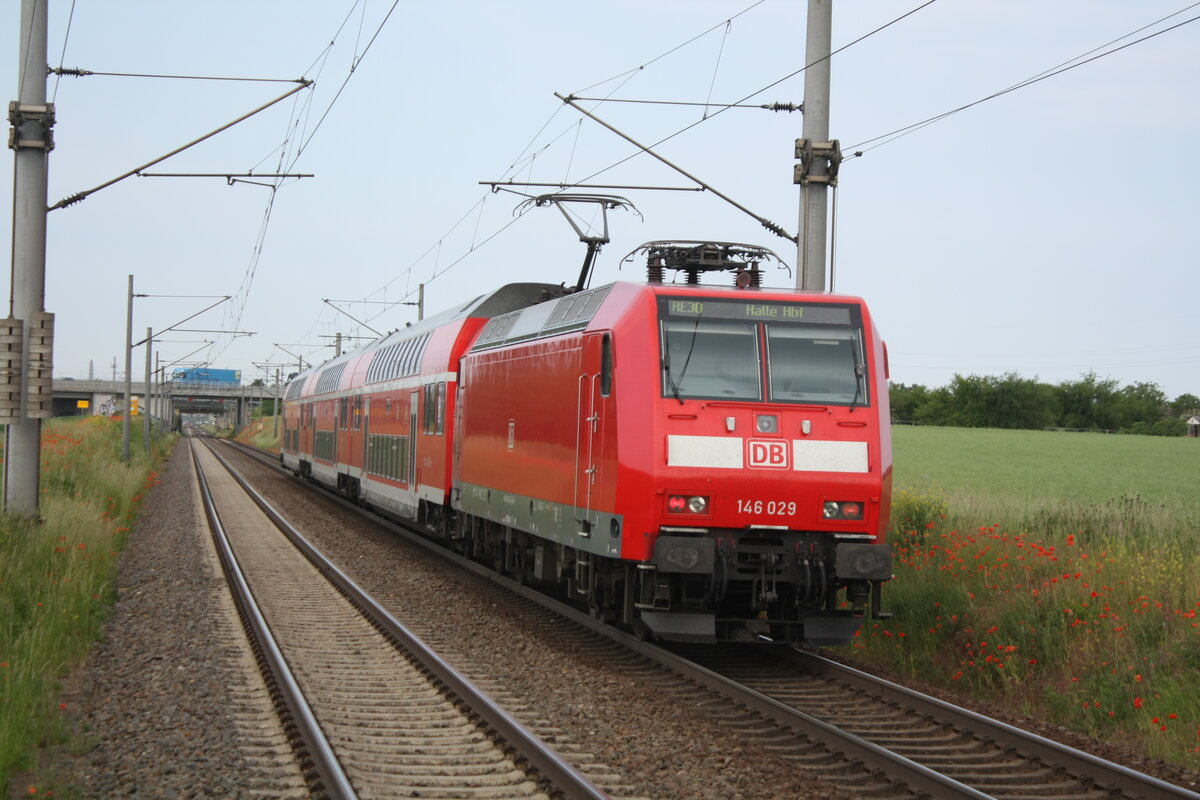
704	463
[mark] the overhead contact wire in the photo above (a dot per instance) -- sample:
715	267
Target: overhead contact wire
771	85
1053	72
716	67
342	88
677	47
522	162
63	56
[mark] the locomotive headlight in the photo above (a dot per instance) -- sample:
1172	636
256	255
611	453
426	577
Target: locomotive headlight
687	504
766	423
832	510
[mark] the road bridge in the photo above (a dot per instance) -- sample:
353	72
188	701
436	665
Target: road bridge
74	397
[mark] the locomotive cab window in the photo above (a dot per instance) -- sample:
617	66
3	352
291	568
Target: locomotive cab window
710	360
815	365
727	349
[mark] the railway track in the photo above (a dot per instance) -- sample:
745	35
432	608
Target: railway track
857	732
991	757
372	711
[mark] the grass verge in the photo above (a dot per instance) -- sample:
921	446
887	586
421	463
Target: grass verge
57	574
263	433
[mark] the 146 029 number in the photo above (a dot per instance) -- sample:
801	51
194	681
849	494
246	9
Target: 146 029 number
769	507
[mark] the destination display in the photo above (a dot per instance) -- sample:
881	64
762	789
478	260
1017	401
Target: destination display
752	311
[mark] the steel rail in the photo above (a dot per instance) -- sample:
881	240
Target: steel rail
328	776
1107	774
917	777
567	781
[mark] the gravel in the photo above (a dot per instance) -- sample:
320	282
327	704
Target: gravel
162	706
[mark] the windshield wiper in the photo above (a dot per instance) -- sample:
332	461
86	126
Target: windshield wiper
858	373
666	363
858	382
672	384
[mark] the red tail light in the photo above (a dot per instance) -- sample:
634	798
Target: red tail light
842	509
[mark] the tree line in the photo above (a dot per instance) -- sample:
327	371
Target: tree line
1010	401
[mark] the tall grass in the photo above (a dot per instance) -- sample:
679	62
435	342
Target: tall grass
57	574
1055	572
262	433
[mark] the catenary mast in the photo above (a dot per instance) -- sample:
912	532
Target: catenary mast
27	334
819	157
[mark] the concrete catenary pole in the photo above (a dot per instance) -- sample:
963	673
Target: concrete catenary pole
32	119
128	374
159	413
814	194
146	405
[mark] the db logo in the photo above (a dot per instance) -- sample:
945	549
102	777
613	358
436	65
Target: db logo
768	453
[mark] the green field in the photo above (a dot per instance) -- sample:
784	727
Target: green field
1056	572
1047	467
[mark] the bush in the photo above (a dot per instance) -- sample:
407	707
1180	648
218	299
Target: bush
915	513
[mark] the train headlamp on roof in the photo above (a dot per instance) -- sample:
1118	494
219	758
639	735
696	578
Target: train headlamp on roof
696	257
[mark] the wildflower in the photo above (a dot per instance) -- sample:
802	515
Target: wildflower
1137	702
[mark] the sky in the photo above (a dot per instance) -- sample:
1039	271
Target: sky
1050	231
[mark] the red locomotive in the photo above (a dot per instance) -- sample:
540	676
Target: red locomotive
703	463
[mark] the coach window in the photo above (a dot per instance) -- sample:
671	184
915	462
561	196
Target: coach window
434	408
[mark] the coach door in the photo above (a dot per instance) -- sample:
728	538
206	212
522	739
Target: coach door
414	404
593	391
364	425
